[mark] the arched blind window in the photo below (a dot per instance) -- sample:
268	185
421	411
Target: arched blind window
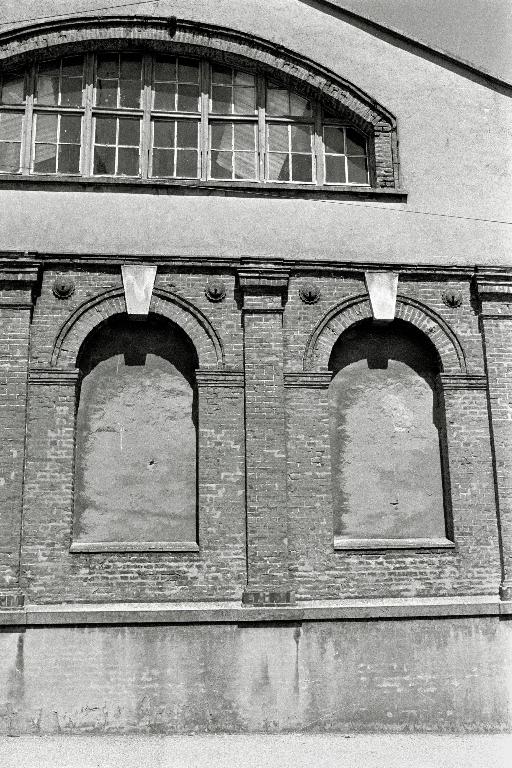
387	436
166	117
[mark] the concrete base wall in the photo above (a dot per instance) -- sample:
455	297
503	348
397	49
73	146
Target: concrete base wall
410	675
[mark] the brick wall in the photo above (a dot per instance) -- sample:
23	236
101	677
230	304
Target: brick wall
264	466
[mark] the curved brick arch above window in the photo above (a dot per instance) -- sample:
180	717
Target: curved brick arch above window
352	139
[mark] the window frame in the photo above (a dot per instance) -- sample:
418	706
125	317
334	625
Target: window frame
205	117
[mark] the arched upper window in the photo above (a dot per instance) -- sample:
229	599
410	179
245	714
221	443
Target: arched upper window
145	116
135	459
387	436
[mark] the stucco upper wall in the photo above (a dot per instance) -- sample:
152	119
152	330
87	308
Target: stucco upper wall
454	149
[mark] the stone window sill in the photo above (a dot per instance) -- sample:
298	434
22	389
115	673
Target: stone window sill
53	183
342	543
133	546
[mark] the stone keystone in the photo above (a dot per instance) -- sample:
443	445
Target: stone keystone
138	281
382	288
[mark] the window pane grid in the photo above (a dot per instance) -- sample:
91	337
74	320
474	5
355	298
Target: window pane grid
175	151
243	127
116	146
57	141
345	155
60	83
11	129
232	92
233	151
176	85
118	83
290	152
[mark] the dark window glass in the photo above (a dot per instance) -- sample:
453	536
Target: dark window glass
334	140
335	169
70	129
105	160
69	158
357	170
165	97
45	158
302	168
221	165
105	130
186	163
356	143
128	161
13	89
279	167
163	162
9	157
188	98
129	132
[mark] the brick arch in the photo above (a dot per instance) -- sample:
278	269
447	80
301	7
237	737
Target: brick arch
91	313
357	308
66	36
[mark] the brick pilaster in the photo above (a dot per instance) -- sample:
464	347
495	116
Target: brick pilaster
264	295
495	295
16	301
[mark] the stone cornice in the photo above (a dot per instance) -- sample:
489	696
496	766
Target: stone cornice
307	379
462	381
220	378
47	376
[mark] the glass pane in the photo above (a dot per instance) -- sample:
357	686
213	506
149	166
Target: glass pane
163	133
69	158
245	165
47	89
221	99
164	69
104	160
278	138
70	129
131	68
165	97
13	90
71	92
357	170
129	93
302	168
45	157
10	157
163	162
128	161
221	165
299	107
221	135
105	130
10	126
333	139
188	98
356	143
108	67
187	134
245	136
277	102
221	75
188	71
278	167
186	163
243	78
73	67
244	101
301	138
46	128
129	132
106	93
335	169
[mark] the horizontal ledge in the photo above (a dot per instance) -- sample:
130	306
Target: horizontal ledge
235	612
199	187
343	543
134	546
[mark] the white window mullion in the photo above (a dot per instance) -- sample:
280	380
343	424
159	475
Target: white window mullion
145	143
204	127
318	147
261	138
28	123
87	126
